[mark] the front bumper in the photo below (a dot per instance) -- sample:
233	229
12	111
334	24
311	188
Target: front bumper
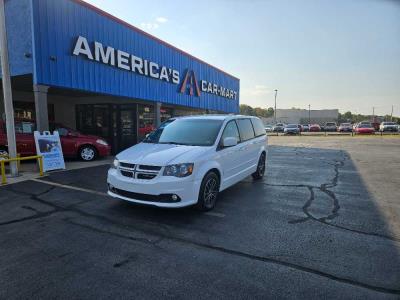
156	191
291	131
103	150
391	129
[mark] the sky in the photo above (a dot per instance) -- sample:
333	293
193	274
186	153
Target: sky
341	54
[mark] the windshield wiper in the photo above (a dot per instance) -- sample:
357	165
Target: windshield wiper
171	143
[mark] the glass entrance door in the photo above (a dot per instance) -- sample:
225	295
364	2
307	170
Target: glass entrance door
127	136
94	119
116	123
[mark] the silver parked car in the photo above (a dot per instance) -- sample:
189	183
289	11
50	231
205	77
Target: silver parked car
291	129
269	128
388	126
330	126
279	127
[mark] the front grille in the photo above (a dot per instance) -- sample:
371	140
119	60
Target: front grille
126	165
149	168
126	173
145	176
163	198
145	172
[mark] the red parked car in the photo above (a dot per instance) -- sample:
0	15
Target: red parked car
315	128
73	143
364	128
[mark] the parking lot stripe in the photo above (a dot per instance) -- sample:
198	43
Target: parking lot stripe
70	187
215	214
209	213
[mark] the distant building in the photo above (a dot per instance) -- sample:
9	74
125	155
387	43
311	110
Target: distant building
303	116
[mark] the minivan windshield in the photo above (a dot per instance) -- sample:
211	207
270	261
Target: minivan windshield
193	132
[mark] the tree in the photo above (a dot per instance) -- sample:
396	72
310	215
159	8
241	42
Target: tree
258	111
246	110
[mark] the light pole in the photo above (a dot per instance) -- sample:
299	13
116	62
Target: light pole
391	115
309	114
8	103
373	113
276	93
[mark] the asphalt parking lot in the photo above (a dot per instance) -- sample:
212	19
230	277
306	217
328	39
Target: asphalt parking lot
324	223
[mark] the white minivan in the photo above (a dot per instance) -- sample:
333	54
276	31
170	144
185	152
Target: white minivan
189	160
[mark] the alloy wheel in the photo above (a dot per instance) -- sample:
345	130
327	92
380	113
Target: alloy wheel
210	192
261	166
87	153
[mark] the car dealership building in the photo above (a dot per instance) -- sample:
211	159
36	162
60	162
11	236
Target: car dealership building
74	64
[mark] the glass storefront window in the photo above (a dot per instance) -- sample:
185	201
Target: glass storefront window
178	112
146	122
26	111
94	119
166	113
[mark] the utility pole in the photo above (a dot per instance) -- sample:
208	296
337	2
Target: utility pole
373	113
276	93
309	114
391	115
8	103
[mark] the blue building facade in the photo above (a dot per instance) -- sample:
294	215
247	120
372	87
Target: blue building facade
69	47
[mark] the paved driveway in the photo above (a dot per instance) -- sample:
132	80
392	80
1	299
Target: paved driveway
318	226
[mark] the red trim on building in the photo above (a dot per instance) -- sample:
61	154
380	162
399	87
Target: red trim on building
193	82
196	84
110	16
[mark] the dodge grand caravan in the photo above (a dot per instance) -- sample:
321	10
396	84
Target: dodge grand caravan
189	160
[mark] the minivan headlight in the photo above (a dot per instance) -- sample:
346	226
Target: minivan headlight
115	164
179	170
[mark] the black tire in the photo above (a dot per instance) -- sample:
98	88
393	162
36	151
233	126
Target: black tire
208	192
259	173
87	153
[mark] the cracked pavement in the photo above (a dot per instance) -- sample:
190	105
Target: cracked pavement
324	223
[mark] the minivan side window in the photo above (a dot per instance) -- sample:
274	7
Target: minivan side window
258	127
245	129
230	130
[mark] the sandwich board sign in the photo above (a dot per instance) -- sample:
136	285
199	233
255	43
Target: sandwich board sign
49	146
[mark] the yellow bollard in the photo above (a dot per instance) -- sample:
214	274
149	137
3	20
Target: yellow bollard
3	173
41	165
18	159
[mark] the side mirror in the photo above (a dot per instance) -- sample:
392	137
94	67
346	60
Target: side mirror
229	142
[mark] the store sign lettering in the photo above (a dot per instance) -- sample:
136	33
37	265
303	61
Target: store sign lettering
129	62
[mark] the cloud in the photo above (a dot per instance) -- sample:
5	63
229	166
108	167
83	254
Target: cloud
154	24
161	20
260	90
149	26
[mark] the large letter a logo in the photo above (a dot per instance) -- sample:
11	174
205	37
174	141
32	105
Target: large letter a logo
190	81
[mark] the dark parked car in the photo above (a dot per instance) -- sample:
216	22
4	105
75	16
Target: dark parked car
73	143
